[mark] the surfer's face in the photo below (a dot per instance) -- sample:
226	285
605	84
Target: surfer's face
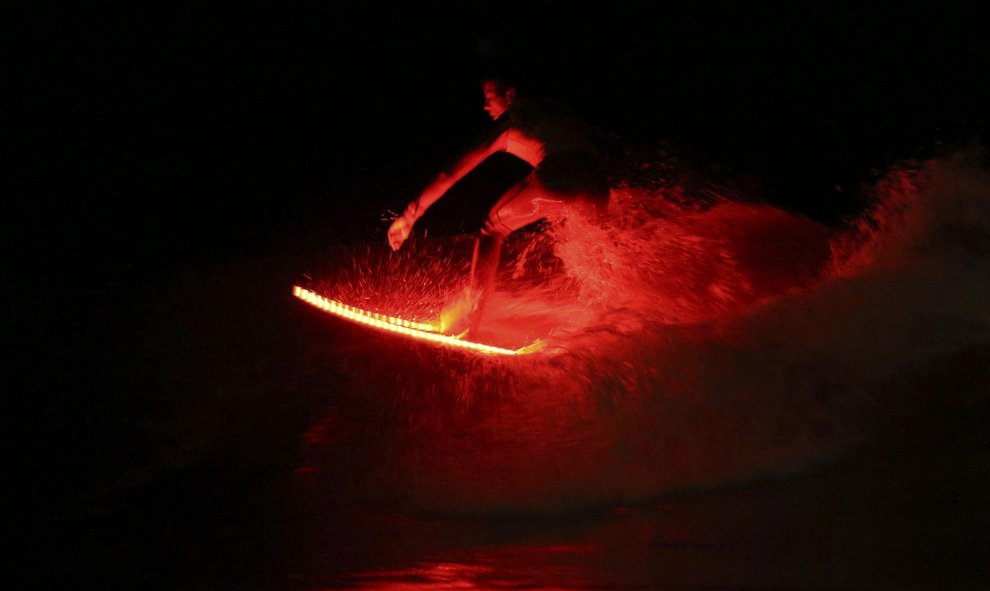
497	102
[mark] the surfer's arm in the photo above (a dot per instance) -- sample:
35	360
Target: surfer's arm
443	181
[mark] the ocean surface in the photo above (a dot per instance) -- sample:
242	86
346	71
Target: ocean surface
730	396
768	369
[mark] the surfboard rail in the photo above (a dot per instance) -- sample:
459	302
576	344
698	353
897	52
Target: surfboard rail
425	331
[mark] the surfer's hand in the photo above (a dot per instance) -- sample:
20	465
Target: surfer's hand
399	231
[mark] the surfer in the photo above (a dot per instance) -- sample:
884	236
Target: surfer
568	177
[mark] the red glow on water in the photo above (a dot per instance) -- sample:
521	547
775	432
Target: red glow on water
542	566
576	285
628	309
705	347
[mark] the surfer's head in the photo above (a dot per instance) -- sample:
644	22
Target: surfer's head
499	95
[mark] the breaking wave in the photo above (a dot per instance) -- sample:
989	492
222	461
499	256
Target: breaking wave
690	343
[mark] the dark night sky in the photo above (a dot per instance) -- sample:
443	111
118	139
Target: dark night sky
189	131
169	136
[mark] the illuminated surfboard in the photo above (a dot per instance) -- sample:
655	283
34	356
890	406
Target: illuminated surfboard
417	330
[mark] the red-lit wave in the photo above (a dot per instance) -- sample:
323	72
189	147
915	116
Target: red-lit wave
696	347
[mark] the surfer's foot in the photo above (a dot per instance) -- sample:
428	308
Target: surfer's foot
455	319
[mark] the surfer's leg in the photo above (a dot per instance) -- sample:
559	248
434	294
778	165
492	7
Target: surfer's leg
520	206
484	269
523	204
464	313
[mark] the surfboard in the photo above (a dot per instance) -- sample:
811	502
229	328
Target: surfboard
428	332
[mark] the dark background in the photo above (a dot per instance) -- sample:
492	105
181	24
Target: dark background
158	134
156	150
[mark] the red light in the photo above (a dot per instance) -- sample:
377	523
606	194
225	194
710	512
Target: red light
417	330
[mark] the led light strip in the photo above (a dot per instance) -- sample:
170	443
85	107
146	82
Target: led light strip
426	332
345	311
